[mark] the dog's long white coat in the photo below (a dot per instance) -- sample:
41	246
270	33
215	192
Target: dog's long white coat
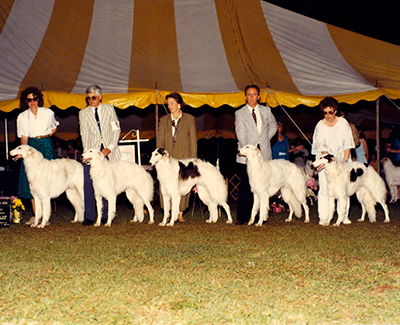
210	185
369	188
392	175
48	179
268	177
113	177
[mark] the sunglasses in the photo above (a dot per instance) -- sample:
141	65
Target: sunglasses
92	98
329	113
28	100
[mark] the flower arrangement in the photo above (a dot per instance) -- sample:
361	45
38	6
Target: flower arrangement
18	209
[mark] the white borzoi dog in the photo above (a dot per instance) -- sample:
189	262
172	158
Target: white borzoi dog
178	177
48	179
268	177
344	180
392	175
113	177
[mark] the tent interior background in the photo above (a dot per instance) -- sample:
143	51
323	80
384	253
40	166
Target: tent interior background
215	126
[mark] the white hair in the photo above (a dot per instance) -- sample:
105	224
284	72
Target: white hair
94	89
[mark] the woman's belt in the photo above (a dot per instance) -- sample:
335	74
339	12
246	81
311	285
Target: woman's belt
42	136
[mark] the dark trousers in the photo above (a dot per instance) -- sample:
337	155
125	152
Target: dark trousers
90	201
245	199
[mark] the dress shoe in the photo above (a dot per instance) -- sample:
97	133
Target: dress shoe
31	221
240	223
87	222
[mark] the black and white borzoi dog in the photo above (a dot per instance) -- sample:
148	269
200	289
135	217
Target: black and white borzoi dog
392	175
178	177
48	179
268	177
344	180
112	177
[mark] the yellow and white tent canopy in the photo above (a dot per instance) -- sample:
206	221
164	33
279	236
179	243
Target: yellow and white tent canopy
209	50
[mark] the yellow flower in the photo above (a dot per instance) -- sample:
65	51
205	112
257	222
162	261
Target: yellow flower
17	203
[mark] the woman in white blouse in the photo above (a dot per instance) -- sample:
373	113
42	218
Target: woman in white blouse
331	135
35	126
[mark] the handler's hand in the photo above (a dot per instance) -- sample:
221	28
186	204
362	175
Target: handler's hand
106	152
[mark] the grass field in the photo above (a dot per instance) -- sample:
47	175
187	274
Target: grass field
198	273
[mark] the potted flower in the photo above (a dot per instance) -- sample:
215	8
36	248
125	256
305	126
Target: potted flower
17	209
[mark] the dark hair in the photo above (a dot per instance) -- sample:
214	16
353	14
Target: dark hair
395	131
343	113
252	86
329	102
24	95
177	97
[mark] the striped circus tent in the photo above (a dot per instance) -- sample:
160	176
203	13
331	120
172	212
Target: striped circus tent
209	50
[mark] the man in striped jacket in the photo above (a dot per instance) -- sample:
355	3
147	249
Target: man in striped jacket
100	129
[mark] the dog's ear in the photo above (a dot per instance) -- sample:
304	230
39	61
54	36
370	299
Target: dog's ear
30	151
330	158
163	152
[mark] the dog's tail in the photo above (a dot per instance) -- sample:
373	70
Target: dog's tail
290	198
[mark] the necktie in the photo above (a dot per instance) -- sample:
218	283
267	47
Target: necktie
175	126
254	115
96	115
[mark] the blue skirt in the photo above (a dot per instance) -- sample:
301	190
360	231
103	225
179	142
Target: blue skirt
46	147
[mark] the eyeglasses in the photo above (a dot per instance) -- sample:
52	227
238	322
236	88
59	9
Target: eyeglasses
91	98
329	113
28	100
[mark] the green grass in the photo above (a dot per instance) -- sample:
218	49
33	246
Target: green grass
201	273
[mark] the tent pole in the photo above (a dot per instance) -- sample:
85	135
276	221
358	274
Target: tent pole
6	137
156	120
378	133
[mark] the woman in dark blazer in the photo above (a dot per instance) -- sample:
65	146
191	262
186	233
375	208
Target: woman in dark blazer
177	134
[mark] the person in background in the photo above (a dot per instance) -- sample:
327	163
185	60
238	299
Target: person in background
373	162
72	151
280	143
35	126
100	129
299	152
177	134
393	149
60	148
362	149
254	124
353	127
332	135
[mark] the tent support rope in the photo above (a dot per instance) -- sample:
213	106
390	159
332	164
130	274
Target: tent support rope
295	124
394	104
162	102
